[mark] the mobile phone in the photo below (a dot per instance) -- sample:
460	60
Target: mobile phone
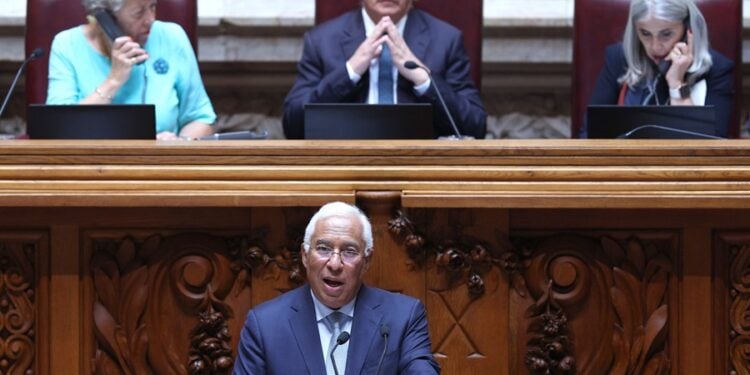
245	134
664	65
108	23
686	23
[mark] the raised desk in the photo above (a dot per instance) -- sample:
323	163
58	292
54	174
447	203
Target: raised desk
605	256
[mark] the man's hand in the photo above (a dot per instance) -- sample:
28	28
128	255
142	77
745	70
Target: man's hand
402	53
370	48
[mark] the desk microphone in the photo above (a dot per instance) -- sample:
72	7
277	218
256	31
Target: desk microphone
675	131
411	65
35	54
341	340
384	331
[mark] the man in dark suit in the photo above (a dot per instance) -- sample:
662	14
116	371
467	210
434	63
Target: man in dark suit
297	332
341	64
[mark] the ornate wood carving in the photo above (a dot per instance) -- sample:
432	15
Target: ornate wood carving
549	349
147	290
569	284
464	258
739	310
612	291
17	307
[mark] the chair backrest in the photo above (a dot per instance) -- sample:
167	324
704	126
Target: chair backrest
465	15
45	18
598	23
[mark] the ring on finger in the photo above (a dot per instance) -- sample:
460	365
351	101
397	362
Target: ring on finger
132	60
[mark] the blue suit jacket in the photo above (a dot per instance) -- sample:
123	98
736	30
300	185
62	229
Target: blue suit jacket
281	336
719	80
323	78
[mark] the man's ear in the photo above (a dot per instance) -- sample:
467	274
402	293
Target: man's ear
303	255
367	263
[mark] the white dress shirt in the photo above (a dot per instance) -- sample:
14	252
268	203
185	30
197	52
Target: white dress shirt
321	312
372	97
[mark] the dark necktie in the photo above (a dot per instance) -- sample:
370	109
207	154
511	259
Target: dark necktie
385	76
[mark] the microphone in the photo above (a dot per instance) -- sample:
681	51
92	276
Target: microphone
341	340
384	331
35	54
687	134
411	65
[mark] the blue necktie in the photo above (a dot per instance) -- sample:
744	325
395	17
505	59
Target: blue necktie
385	76
334	322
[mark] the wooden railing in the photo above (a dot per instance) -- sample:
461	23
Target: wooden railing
636	251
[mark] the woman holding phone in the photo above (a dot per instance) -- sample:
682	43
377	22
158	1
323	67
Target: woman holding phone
665	59
149	62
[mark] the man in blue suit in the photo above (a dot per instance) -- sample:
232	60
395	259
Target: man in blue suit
305	331
341	64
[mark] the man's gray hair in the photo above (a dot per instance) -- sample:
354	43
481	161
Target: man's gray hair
113	5
340	209
639	66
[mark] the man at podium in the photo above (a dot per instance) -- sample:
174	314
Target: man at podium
334	324
360	56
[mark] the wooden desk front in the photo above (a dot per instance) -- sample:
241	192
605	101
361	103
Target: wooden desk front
603	256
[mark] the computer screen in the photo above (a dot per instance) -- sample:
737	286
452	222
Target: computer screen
659	122
368	121
96	121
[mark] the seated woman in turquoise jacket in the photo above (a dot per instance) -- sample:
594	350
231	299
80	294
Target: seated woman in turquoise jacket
152	63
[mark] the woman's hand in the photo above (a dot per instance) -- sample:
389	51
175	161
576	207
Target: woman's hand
125	55
681	57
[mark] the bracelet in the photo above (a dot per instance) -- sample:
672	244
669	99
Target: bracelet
101	94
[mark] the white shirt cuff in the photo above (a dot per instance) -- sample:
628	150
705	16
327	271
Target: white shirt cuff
421	89
352	74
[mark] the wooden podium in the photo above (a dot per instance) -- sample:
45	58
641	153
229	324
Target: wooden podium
622	257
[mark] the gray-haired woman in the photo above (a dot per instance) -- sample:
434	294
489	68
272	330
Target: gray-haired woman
665	59
151	63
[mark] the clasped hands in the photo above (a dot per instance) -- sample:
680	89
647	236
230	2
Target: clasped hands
385	32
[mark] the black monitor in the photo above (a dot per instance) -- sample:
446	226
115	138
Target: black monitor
96	121
656	122
368	121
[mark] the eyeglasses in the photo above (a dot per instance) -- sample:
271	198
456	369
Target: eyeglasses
347	255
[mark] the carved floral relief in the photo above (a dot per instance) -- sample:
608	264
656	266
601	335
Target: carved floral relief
595	303
17	307
148	290
739	310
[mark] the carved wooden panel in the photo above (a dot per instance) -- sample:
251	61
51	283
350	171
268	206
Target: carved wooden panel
733	267
598	303
588	303
162	304
20	271
466	294
174	303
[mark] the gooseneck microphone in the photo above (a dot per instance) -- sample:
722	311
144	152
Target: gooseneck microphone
35	54
673	132
384	331
411	65
341	340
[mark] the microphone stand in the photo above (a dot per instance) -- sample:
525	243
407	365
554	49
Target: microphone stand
33	56
411	65
341	340
667	129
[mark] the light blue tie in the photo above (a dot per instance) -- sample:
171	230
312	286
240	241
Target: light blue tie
385	76
334	322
